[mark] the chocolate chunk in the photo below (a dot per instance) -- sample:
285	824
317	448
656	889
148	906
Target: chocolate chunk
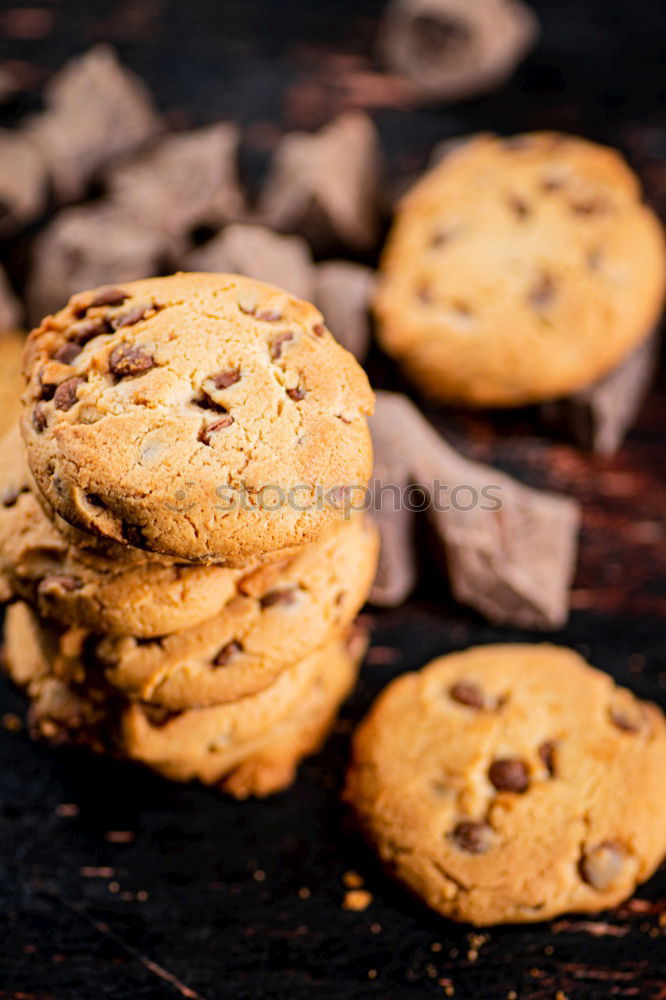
542	292
70	254
475	838
547	754
183	181
296	394
127	360
46	389
509	775
87	329
273	597
258	252
108	297
511	555
601	865
64	397
96	111
469	694
129	317
23	180
68	352
224	379
206	434
319	329
278	342
519	206
343	293
269	316
453	49
227	653
132	533
39	418
599	417
59	581
325	185
158	716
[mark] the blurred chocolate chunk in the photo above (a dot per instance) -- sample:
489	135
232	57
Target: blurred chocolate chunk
23	181
84	247
96	111
454	49
10	307
510	550
598	418
325	185
343	292
397	567
185	180
259	253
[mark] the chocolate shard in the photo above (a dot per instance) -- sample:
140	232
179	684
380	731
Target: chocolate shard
23	181
343	293
397	569
325	185
96	111
258	252
84	247
598	418
185	180
450	50
510	549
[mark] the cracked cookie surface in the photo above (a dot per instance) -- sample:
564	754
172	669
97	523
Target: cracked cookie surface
520	270
176	414
250	747
511	783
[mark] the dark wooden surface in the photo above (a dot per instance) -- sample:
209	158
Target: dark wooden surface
116	884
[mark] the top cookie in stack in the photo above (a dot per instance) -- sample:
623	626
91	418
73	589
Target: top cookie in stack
204	417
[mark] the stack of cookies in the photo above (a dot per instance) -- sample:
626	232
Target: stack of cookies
178	528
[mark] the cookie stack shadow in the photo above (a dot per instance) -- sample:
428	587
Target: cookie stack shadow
224	671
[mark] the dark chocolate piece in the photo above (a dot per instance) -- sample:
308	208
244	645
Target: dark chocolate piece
510	550
450	50
599	417
325	185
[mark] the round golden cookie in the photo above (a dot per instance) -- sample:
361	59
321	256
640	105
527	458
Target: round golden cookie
11	379
250	747
201	416
278	613
511	783
520	270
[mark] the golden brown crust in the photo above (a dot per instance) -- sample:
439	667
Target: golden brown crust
520	270
511	783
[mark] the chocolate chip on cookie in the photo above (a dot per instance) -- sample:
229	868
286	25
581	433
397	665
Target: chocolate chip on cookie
509	775
127	360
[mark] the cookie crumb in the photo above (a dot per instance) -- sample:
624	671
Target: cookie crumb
357	900
352	880
11	723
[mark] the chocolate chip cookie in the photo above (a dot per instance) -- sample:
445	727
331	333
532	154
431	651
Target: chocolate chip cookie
250	747
520	270
511	783
204	417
